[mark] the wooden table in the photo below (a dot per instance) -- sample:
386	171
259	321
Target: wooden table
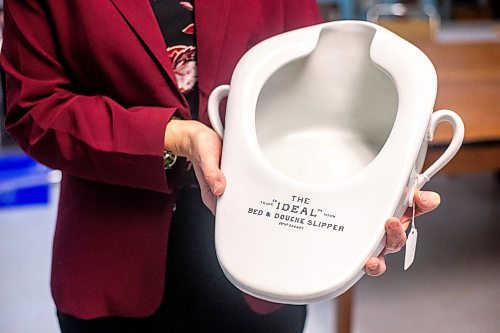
469	84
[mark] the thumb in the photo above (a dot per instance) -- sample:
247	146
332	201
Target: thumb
207	194
208	172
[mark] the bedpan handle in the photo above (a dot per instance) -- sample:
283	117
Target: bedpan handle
217	95
418	180
456	141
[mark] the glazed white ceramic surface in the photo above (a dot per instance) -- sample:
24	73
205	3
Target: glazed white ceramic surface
326	129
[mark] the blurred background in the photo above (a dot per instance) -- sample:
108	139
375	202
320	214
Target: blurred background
454	284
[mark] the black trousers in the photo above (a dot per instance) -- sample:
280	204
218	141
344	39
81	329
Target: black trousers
198	297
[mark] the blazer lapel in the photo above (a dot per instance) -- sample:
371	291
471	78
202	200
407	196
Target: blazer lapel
142	20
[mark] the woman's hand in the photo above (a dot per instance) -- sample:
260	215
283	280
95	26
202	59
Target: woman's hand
395	230
202	147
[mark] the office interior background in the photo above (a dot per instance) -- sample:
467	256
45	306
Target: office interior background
454	284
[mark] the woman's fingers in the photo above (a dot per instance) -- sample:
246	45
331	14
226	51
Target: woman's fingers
205	154
375	266
208	197
395	240
425	201
395	235
207	149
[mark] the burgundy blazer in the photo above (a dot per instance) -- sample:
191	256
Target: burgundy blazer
90	89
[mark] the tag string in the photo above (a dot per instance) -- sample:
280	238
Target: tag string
413	217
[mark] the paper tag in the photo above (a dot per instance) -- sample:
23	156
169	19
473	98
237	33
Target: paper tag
411	247
411	242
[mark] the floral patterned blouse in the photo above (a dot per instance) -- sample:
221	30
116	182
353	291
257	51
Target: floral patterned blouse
176	21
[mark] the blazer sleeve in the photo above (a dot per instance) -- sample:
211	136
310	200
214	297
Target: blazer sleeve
91	137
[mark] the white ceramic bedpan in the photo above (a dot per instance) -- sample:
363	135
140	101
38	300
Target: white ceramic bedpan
325	135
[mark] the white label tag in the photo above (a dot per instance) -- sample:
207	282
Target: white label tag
411	247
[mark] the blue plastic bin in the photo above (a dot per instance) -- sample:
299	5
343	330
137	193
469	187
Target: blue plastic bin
23	181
